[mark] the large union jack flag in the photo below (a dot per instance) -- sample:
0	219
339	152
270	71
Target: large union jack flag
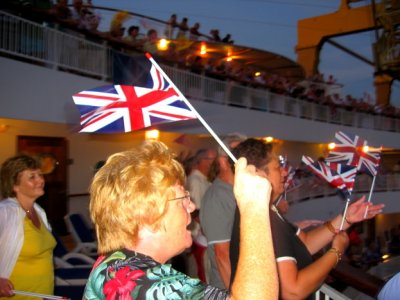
350	150
123	108
337	175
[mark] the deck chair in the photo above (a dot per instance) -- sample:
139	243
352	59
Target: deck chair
65	259
71	271
82	234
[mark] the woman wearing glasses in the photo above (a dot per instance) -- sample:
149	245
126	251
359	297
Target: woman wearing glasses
141	213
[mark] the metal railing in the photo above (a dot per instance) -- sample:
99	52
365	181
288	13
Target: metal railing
326	292
53	47
69	50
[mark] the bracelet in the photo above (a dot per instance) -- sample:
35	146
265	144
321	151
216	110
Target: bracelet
338	254
330	227
345	218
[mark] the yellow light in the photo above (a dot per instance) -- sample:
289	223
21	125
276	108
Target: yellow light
152	134
269	139
257	74
203	49
331	146
3	127
162	44
229	58
385	256
365	149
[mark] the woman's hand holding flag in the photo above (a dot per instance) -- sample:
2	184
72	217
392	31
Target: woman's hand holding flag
356	210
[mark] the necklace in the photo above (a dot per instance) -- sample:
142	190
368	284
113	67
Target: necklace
27	211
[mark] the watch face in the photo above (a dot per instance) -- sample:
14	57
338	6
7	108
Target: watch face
48	163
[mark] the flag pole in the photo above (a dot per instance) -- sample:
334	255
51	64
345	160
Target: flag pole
37	295
216	137
370	196
344	214
279	200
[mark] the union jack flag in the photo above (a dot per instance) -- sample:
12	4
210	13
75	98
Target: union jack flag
331	174
290	183
350	150
346	172
123	108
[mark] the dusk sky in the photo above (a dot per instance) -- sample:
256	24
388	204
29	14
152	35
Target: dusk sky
272	26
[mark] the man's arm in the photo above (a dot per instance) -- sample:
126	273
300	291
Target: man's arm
256	258
223	262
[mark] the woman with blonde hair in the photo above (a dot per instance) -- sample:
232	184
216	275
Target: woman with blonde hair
141	214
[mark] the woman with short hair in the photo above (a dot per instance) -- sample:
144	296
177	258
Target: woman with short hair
26	242
141	214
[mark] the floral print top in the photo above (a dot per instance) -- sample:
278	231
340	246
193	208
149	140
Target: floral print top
126	275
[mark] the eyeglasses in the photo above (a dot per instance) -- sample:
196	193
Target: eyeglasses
187	196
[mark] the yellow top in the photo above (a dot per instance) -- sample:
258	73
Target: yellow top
34	270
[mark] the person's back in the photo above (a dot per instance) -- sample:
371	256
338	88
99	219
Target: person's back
216	215
390	290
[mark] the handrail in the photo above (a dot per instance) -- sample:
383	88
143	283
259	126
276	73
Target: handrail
327	293
71	51
358	279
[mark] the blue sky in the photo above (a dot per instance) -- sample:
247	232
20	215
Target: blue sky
272	26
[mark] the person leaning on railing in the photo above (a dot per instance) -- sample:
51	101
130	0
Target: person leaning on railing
299	275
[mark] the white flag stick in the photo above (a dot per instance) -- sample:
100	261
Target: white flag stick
276	203
370	195
229	153
37	295
344	214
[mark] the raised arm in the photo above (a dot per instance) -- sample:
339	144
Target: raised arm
298	284
256	258
321	236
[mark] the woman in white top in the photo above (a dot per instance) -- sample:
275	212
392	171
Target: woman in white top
26	243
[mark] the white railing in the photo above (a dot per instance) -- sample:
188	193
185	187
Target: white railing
70	51
328	293
51	47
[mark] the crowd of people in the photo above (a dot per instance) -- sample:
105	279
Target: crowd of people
295	253
317	89
145	213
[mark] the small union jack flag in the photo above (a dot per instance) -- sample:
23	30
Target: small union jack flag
331	174
289	183
346	172
350	150
123	108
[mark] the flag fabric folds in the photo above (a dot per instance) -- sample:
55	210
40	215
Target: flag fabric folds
346	172
349	150
290	183
124	108
339	176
